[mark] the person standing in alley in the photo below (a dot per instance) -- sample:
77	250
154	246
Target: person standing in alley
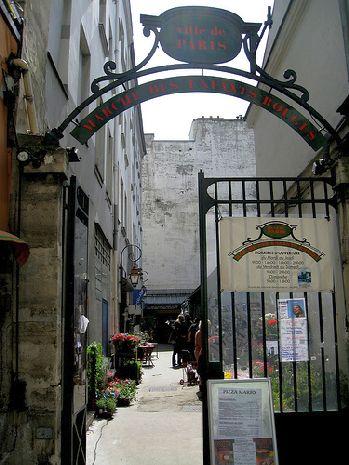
180	332
193	328
198	358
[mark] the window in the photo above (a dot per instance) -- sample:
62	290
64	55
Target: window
102	25
102	249
121	213
122	46
111	51
58	36
125	211
110	165
84	71
101	149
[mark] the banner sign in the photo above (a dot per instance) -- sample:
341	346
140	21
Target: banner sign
138	295
293	330
198	34
241	422
190	84
264	254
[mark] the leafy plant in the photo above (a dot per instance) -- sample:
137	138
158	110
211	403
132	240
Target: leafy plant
97	366
111	405
106	404
143	336
131	369
127	391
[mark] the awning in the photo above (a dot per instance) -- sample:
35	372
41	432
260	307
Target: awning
20	247
166	298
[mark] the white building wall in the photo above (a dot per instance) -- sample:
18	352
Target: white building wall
73	39
170	217
309	40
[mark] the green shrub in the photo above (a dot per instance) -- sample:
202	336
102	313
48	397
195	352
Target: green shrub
97	366
127	391
131	369
106	404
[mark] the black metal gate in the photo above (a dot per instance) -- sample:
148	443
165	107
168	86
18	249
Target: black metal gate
310	397
74	395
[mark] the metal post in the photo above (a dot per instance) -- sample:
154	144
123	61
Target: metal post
204	317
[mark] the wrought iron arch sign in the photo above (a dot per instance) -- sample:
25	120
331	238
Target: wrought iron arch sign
189	84
201	38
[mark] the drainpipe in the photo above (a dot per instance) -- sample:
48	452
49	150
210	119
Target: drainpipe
28	93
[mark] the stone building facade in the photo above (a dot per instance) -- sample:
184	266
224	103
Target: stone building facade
170	215
76	214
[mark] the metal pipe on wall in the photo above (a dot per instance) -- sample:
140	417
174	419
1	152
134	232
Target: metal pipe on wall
28	94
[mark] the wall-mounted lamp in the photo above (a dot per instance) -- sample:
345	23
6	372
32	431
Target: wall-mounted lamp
135	274
134	254
35	156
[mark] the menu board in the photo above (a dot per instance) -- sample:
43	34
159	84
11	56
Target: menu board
241	422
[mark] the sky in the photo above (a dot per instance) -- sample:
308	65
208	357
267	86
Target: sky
169	117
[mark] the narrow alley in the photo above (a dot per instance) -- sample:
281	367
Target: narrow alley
161	427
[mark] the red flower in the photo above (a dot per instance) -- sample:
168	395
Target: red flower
124	337
272	322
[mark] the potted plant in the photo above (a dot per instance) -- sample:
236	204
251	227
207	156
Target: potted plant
132	369
125	346
105	407
127	392
97	367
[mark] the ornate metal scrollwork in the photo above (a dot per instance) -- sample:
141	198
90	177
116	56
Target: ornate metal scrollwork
290	75
290	83
251	36
127	75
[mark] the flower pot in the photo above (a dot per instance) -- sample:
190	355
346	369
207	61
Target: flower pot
105	414
123	402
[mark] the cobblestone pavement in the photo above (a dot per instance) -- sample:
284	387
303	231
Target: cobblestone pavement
162	427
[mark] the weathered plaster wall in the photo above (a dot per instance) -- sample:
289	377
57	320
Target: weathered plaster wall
170	195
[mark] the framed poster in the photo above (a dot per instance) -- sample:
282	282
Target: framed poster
278	254
241	422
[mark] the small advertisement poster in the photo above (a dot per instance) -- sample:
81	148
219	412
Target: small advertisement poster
264	254
272	347
293	327
241	421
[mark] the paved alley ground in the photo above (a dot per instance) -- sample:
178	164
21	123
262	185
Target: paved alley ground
162	427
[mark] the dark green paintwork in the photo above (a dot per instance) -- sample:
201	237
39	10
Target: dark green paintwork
189	84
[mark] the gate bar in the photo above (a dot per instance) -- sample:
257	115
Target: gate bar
219	299
204	315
